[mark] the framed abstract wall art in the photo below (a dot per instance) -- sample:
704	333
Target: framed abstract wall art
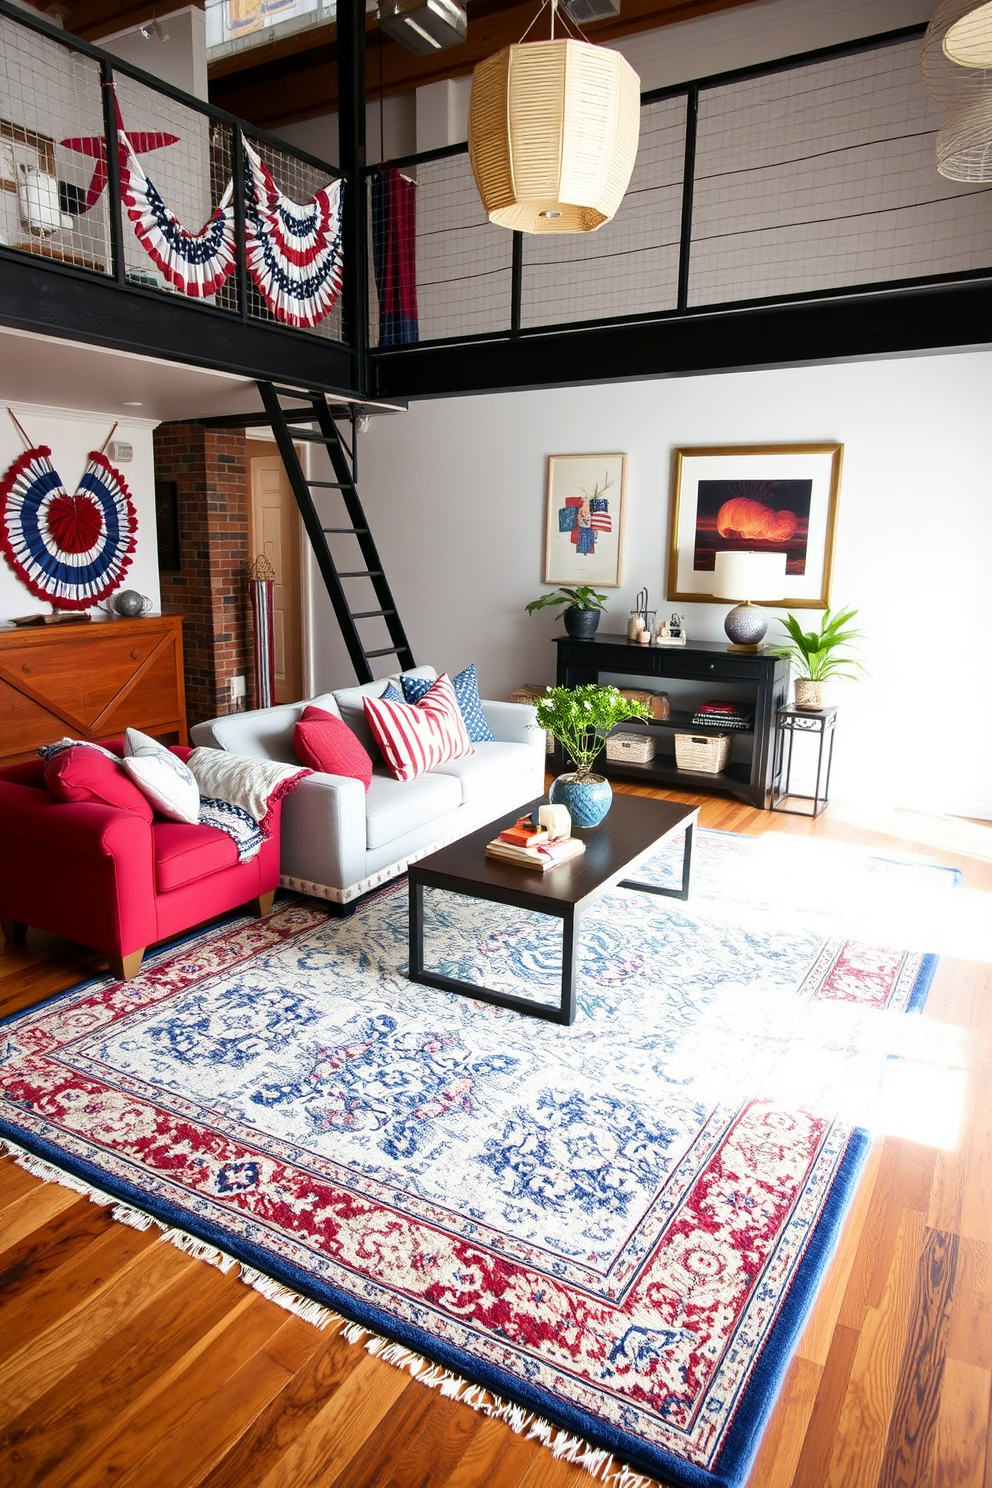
775	498
585	515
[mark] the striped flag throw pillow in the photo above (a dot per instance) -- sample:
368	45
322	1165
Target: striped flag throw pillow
414	737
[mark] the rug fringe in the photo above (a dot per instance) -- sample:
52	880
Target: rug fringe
562	1444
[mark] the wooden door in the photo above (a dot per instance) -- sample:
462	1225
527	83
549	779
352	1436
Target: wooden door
275	529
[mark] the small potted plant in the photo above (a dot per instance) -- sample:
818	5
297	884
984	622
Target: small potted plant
580	719
583	607
816	655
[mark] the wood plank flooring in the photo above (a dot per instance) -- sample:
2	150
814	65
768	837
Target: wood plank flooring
123	1361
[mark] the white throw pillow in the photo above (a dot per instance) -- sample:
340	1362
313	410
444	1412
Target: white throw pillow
162	777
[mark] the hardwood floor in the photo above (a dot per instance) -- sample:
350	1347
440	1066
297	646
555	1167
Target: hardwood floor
124	1361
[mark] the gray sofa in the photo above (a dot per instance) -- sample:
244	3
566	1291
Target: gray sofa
337	840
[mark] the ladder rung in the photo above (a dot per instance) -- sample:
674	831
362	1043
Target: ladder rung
344	529
362	573
386	651
314	435
331	485
368	614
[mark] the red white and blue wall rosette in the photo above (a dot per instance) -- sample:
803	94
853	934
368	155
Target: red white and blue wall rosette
69	550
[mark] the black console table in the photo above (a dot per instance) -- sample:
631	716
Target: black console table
689	674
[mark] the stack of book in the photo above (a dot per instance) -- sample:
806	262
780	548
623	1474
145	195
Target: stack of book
530	846
724	715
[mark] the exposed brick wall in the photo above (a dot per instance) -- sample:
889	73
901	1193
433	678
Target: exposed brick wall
210	469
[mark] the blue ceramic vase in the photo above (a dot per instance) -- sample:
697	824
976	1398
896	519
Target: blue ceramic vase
587	800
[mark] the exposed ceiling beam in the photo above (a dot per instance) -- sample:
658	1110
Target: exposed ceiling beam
296	78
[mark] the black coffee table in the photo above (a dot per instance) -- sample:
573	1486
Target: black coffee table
635	827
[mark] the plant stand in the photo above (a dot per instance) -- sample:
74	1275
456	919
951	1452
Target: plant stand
789	723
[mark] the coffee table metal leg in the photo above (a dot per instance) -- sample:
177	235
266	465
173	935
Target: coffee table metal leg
569	964
416	934
683	892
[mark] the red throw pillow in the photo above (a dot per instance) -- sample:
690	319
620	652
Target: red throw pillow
325	743
84	774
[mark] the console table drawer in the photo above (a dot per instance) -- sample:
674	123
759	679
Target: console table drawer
731	668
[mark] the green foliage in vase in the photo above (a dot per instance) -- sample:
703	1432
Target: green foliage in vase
582	598
815	653
581	717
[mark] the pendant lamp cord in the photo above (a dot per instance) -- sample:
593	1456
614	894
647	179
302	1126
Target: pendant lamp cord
569	24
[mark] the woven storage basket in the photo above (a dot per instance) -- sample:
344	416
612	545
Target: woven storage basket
636	747
707	752
529	692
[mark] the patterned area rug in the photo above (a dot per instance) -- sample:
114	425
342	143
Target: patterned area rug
617	1226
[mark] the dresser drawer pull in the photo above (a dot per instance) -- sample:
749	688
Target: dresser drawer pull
134	655
25	669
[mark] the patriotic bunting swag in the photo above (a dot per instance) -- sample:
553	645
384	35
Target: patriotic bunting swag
294	252
69	550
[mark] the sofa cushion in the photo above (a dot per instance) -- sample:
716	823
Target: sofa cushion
466	685
323	742
491	767
86	774
351	705
264	733
414	738
185	853
395	807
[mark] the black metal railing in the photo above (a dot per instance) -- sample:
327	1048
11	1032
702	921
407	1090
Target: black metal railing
801	179
62	95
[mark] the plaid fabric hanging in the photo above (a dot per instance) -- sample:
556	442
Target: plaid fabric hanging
69	550
294	252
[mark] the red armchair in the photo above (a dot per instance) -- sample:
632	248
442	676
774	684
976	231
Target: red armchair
107	878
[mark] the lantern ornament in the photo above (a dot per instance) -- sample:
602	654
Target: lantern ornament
552	134
957	69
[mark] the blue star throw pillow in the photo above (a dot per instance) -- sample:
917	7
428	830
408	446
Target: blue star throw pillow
466	686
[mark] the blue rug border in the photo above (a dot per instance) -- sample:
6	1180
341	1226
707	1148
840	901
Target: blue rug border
744	1435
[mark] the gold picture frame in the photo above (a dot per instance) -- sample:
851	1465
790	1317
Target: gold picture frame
584	520
768	498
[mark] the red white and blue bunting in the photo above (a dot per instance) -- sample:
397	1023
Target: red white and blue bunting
69	550
294	252
196	263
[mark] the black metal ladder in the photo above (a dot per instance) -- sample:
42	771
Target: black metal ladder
312	409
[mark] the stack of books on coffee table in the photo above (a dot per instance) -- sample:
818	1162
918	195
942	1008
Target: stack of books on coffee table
724	715
530	846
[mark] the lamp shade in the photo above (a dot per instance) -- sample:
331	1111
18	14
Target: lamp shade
552	135
744	576
968	41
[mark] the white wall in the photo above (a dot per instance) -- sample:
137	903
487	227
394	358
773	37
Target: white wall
180	60
455	491
71	436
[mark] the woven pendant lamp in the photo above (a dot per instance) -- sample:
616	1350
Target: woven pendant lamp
957	69
552	135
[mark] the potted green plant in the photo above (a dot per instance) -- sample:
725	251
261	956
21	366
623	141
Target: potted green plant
816	655
580	719
583	607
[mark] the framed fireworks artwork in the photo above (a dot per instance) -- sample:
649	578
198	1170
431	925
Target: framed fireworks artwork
585	515
775	498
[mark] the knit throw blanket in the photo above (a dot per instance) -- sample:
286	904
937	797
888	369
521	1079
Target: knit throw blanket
237	794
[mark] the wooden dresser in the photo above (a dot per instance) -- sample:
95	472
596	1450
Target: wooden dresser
90	681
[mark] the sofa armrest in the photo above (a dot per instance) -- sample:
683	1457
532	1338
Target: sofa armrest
77	869
511	724
323	831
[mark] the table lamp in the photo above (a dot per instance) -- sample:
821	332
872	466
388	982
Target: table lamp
747	577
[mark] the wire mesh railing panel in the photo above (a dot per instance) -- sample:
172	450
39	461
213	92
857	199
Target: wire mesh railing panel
53	197
457	279
301	215
824	176
177	180
630	266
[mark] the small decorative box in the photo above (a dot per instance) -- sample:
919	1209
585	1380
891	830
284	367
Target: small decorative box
636	747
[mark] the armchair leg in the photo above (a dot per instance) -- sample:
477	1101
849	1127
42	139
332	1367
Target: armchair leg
14	932
126	967
262	904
